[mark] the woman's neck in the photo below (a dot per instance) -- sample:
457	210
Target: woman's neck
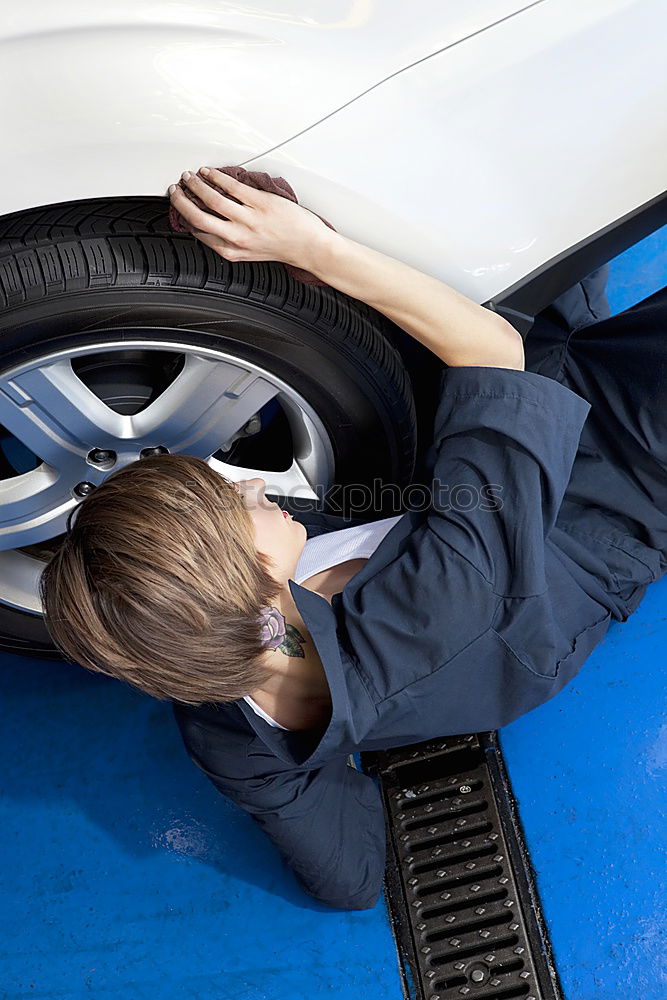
294	677
302	679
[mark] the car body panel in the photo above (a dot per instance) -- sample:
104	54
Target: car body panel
527	129
514	146
118	98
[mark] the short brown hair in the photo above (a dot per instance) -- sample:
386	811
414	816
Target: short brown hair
158	583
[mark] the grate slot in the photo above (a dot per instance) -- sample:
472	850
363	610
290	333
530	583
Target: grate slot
458	930
463	904
435	766
449	984
439	817
460	890
509	994
452	859
456	955
499	970
446	838
456	881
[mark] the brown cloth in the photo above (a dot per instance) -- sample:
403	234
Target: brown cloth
263	182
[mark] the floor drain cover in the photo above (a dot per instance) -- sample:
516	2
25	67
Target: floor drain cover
460	888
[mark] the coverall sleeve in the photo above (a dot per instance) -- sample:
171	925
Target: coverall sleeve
503	448
327	822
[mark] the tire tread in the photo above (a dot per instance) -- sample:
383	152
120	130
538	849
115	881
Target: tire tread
128	243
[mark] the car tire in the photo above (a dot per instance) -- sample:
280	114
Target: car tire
72	274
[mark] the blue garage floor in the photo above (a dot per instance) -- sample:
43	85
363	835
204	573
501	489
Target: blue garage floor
125	874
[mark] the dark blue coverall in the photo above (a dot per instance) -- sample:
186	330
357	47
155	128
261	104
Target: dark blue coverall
464	619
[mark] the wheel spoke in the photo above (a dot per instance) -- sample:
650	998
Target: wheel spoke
204	406
52	412
20	575
33	506
293	482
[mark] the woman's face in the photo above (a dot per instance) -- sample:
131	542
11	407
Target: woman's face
277	535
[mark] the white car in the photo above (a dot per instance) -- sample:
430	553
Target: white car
506	147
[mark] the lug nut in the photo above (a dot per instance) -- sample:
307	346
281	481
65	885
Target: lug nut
99	455
83	489
158	450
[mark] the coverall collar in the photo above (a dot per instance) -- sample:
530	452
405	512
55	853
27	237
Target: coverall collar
302	747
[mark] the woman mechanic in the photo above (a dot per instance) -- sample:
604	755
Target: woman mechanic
452	620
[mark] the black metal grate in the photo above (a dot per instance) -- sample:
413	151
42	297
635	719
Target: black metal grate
460	889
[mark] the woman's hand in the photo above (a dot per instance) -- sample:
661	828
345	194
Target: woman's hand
263	227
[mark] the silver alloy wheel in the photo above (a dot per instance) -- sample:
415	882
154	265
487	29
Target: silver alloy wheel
52	412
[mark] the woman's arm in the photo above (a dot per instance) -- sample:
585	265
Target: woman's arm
264	226
327	822
455	328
